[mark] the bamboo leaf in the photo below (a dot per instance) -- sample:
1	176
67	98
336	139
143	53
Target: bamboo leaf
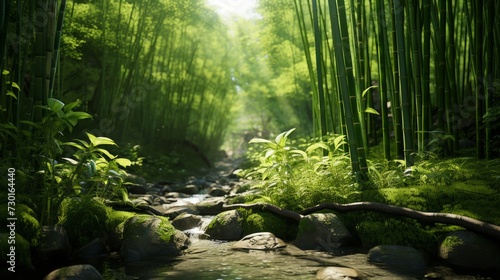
5	72
11	94
368	89
370	110
15	85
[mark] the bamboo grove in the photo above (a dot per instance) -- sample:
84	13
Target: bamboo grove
421	74
149	72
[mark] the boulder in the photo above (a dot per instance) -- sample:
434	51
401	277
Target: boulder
337	273
188	189
259	241
217	192
226	226
173	211
470	250
147	236
186	221
75	272
321	231
399	259
54	245
211	206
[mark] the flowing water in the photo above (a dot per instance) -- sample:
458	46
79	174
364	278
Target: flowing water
216	260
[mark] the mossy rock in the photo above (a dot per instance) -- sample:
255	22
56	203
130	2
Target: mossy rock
84	219
147	236
268	222
404	232
22	251
227	225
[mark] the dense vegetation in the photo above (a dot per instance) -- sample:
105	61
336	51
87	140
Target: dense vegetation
389	95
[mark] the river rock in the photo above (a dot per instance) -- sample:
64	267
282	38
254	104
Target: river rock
337	273
146	236
188	189
75	272
54	245
172	211
92	250
211	206
259	241
400	259
217	191
226	226
186	221
468	249
323	231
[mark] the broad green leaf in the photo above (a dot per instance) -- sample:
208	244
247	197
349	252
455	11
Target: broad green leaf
73	144
54	104
319	145
96	141
259	140
74	117
124	162
269	153
367	89
301	153
371	111
108	154
5	72
71	105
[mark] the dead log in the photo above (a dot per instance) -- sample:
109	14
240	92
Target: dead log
427	217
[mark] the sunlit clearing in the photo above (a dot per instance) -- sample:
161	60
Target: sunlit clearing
232	8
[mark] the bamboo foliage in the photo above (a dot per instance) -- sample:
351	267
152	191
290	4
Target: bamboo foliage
432	61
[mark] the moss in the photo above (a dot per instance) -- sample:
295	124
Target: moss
84	219
268	222
115	218
452	242
166	230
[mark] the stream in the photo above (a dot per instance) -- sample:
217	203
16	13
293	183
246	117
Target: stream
216	260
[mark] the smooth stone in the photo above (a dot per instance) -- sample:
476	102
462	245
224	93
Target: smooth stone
259	241
337	273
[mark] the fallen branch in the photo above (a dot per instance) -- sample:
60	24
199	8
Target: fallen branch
429	217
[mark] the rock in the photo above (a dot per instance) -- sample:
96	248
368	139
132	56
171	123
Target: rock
226	226
135	188
133	179
321	231
54	245
337	273
146	236
470	250
211	206
259	241
173	211
188	189
186	221
217	192
75	272
94	249
400	259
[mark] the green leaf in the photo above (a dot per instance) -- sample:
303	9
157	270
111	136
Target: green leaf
71	105
54	104
74	117
338	141
105	152
11	94
371	111
300	153
259	140
124	162
73	144
367	89
96	141
5	72
15	85
315	146
70	160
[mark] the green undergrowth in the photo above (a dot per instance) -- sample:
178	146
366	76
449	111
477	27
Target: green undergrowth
86	219
298	175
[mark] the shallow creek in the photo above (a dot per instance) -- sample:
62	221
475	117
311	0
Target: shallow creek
216	260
